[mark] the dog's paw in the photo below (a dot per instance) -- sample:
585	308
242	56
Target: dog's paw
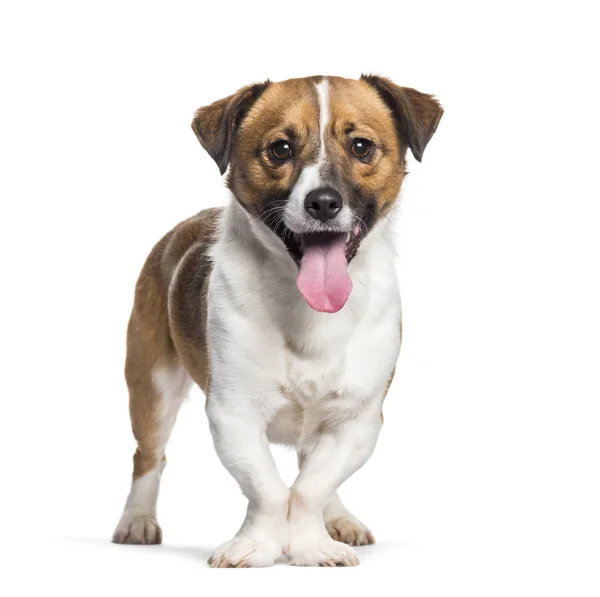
141	530
245	553
350	530
323	552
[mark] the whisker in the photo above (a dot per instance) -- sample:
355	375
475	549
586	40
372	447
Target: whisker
389	220
362	222
261	216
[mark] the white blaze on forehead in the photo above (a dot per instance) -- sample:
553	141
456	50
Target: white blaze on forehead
296	217
308	180
310	177
323	95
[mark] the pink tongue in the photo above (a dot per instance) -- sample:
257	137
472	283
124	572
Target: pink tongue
323	279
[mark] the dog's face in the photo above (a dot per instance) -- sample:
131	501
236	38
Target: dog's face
318	161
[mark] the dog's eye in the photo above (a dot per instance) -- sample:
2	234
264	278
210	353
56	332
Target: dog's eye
362	148
280	151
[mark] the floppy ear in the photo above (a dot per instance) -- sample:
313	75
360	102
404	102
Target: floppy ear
416	114
216	125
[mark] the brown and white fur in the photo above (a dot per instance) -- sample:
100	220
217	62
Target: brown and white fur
217	304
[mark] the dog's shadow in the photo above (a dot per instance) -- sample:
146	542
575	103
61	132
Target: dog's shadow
200	553
195	552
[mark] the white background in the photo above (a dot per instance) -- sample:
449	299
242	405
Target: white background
486	477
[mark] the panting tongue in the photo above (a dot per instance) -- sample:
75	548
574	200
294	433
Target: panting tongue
323	279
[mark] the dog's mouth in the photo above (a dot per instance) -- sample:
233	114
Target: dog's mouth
295	243
322	259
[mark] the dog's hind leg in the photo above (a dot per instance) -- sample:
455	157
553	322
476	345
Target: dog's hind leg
157	387
343	526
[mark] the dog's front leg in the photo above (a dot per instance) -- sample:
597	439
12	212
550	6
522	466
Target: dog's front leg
338	453
239	435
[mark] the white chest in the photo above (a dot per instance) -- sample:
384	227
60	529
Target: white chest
314	390
299	369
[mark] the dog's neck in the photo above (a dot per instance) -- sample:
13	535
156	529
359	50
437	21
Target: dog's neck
258	275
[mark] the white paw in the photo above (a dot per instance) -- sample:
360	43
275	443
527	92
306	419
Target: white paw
140	530
245	553
322	552
350	530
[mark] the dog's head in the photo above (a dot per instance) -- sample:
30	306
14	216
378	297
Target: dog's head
318	161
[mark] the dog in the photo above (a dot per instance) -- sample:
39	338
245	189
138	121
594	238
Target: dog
283	307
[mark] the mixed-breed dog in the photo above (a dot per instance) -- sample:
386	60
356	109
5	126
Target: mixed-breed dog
283	307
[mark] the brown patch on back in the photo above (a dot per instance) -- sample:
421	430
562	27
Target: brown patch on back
188	306
153	334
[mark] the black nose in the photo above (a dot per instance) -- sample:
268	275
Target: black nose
323	204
